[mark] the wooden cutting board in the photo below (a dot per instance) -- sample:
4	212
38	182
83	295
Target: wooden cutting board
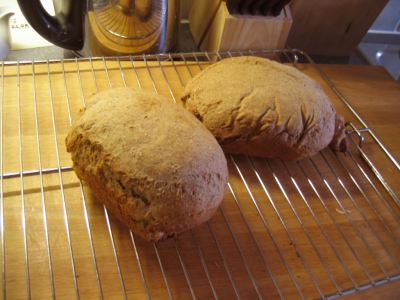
375	95
246	250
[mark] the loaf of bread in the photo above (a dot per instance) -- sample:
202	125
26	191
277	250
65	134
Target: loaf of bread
152	163
260	107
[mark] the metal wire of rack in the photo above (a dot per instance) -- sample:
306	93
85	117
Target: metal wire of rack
320	228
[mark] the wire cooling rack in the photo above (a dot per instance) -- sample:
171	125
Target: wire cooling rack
319	228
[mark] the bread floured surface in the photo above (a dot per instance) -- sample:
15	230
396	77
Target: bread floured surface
152	163
260	107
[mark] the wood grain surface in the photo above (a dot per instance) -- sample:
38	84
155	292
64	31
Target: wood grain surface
314	228
375	95
331	27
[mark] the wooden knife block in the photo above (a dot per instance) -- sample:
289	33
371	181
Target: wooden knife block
214	29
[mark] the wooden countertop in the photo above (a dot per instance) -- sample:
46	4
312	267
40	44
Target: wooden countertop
389	291
376	96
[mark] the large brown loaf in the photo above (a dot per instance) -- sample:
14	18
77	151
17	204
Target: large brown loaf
260	107
152	163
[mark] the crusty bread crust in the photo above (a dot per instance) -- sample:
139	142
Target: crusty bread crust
152	164
263	108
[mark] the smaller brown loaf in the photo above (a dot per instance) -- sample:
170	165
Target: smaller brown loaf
152	163
263	108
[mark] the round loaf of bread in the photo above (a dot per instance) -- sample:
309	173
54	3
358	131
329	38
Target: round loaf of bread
263	108
151	162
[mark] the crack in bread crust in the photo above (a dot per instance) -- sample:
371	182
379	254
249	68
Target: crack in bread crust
152	164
